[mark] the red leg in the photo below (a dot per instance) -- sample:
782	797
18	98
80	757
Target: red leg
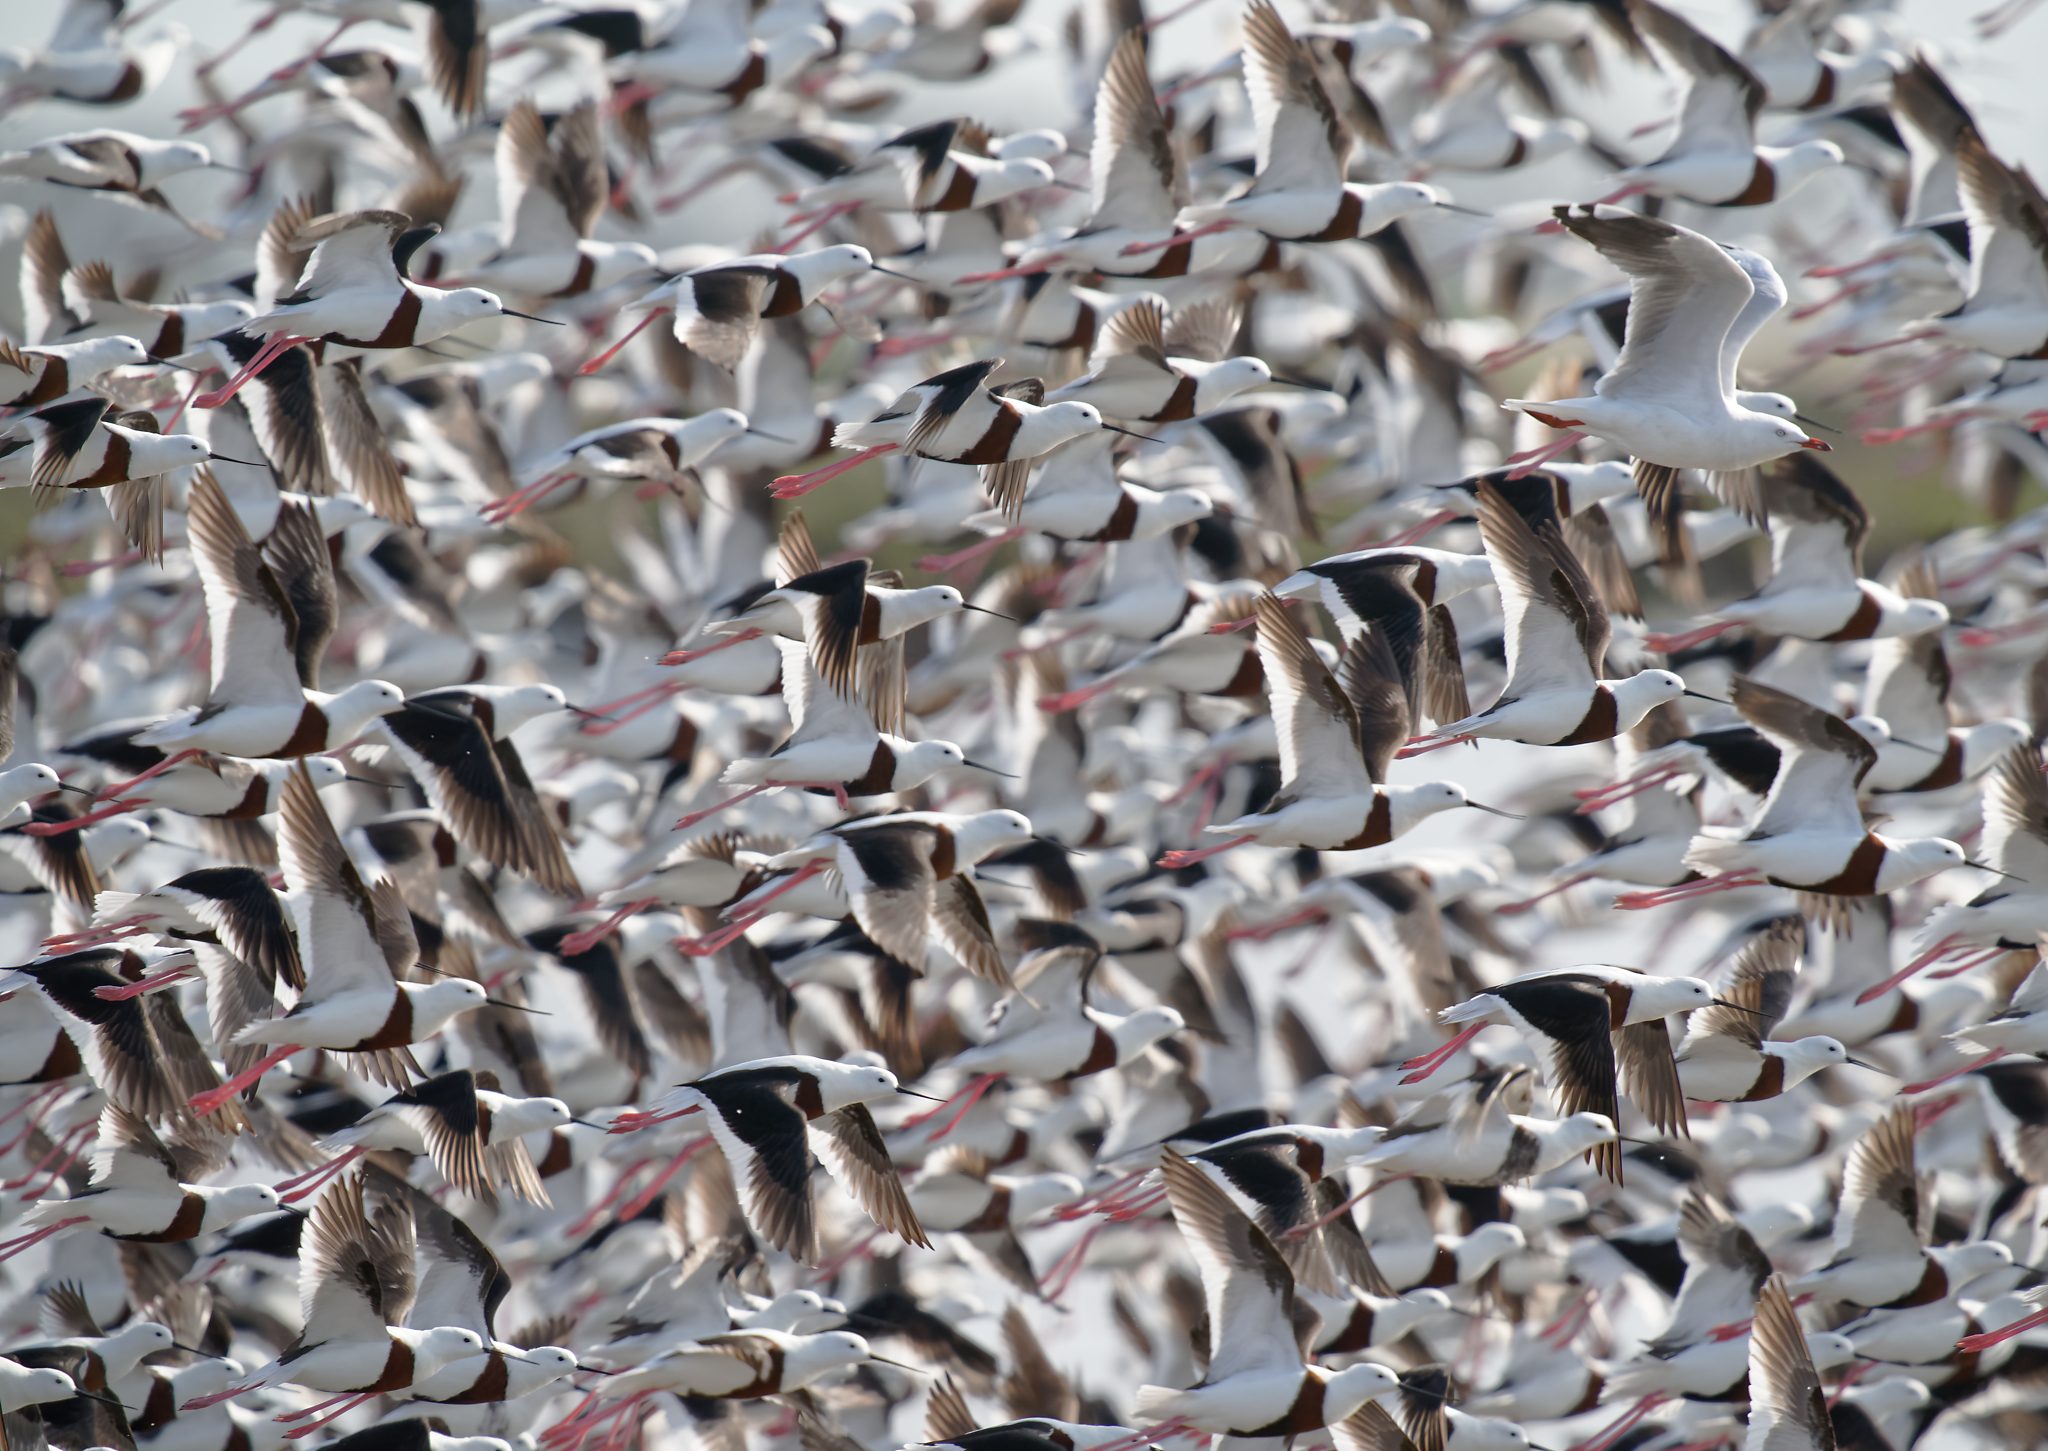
1207	229
176	758
1422	1067
579	942
791	486
966	1098
1926	959
14	1247
1989	1338
211	1100
1954	1073
1529	460
1174	860
659	1182
274	348
1686	639
1515	909
684	657
947	563
684	823
334	1415
613	351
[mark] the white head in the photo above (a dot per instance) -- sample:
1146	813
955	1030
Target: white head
1642	693
1391	201
925	759
1659	997
550	1360
1148	1025
239	1201
1229	378
144	1338
1353	1386
324	771
511	709
988	831
823	1352
168	158
816	271
530	1115
1829	1349
1776	434
1916	617
365	701
448	1342
26	1387
1062	421
1032	1197
1183	506
1975	1259
116	352
1805	1057
161	455
25	783
443	999
1916	859
1575	1135
929	603
699	436
1875	732
459	305
1801	163
841	1085
1008	178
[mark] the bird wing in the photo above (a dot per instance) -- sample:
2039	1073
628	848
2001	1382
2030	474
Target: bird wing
1370	1428
1135	176
350	250
851	1148
352	1274
1245	1283
1722	96
1382	715
336	918
1788	1411
1315	721
2008	230
1301	142
539	196
1723	1268
832	603
461	1283
1817	526
1760	983
2016	817
129	1155
795	554
296	555
960	919
252	629
1649	1074
1557	632
1820	763
1685	293
443	1112
890	882
1878	1215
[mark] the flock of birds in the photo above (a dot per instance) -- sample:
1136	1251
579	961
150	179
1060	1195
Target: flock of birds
470	836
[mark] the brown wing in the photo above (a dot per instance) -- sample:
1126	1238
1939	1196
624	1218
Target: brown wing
1649	1075
852	1149
360	445
960	919
795	554
1372	682
1590	536
1787	1407
1760	983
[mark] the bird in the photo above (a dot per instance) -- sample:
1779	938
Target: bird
1669	400
1728	1054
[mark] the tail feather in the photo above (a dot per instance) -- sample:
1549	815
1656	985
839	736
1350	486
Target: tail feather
1157	1403
1715	854
1472	1010
112	906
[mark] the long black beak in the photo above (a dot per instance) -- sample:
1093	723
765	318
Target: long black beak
1715	699
914	1370
1980	866
1916	746
1308	383
1006	775
518	1007
985	610
892	272
1464	211
913	1093
64	786
529	317
764	433
589	1125
1739	1007
368	781
227	460
1814	423
589	714
1058	846
1496	811
188	1349
1130	432
1866	1067
167	363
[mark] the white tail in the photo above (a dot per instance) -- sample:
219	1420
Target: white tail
1472	1010
1157	1403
